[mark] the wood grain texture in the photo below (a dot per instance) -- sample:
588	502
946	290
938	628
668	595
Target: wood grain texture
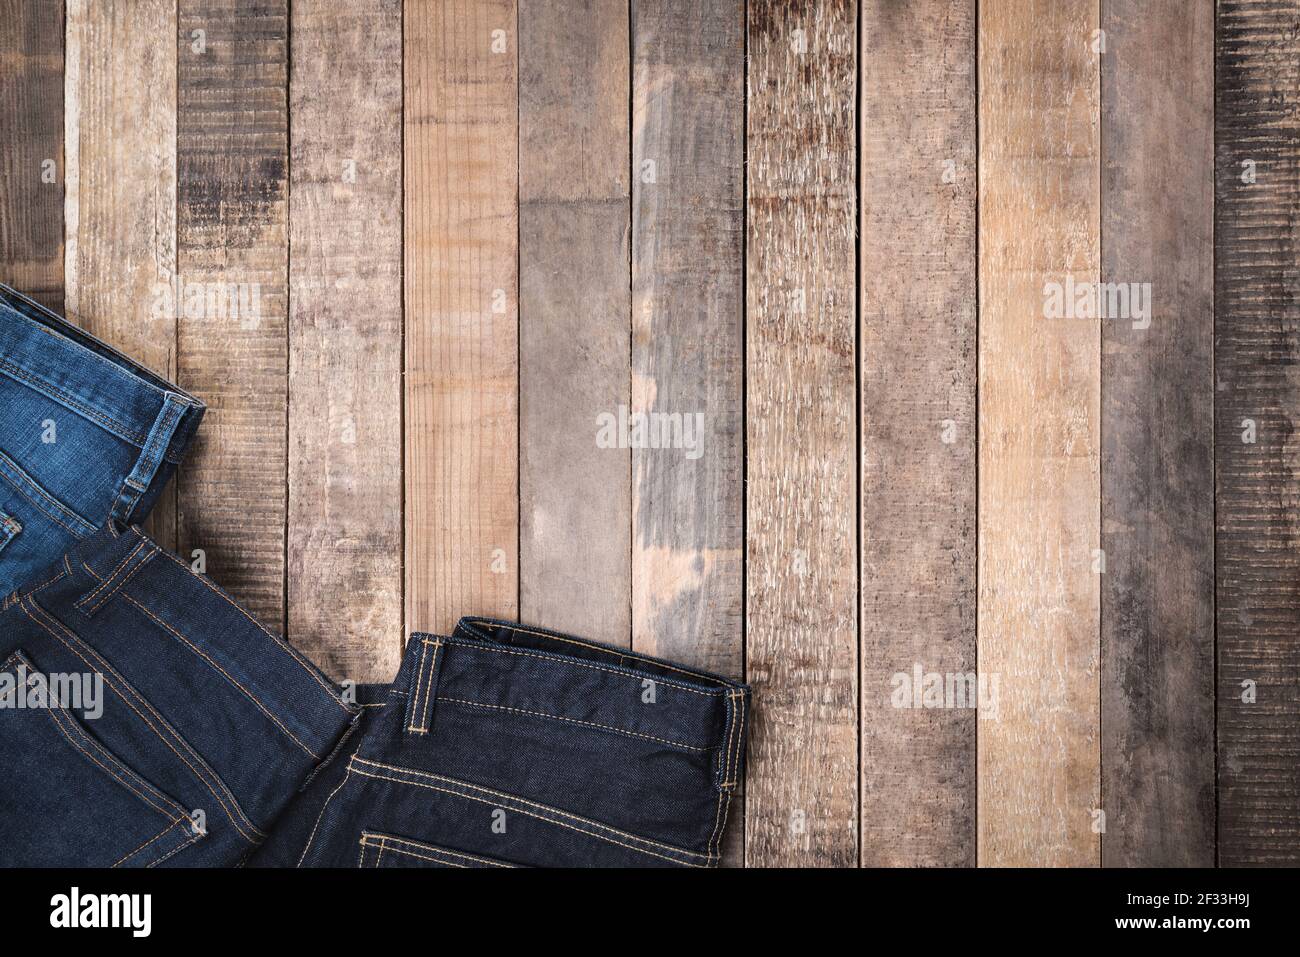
345	338
575	317
120	194
1039	485
918	425
1157	504
462	389
1257	375
801	446
687	335
687	236
232	251
31	161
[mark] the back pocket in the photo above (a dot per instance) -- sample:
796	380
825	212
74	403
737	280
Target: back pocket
386	850
67	801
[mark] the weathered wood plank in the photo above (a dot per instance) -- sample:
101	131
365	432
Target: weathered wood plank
687	340
1257	452
462	390
575	317
232	253
31	156
918	426
1157	504
120	193
345	334
801	424
1039	487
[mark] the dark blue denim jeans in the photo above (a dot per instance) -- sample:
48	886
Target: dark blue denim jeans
85	434
147	718
507	746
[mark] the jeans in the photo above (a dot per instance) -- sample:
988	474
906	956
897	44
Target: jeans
85	435
506	746
155	721
147	720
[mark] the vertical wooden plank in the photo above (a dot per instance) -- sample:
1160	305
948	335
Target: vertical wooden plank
801	445
575	317
918	427
345	333
1039	486
120	195
31	157
462	399
1157	599
687	235
232	253
1257	459
687	273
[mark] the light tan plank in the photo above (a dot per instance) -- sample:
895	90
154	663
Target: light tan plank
120	196
345	328
801	422
232	250
1039	482
461	231
918	428
575	317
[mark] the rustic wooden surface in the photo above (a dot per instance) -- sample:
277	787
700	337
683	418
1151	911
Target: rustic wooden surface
575	508
1157	470
474	227
1039	487
918	425
1257	242
232	217
31	164
461	131
801	636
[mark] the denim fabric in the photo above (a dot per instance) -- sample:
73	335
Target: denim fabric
205	727
504	745
85	434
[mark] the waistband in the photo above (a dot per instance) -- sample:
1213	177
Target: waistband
518	668
68	365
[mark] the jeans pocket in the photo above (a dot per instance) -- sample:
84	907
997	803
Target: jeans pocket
68	800
388	850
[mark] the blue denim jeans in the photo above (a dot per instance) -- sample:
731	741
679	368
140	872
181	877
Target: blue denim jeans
506	746
85	434
172	727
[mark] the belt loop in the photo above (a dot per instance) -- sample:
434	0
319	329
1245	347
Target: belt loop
424	686
151	458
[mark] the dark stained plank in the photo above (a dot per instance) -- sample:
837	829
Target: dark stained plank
1157	600
575	317
1257	380
31	156
345	338
918	423
1039	442
687	274
232	253
461	119
801	424
120	201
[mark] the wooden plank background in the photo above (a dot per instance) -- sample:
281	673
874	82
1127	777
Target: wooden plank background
417	258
